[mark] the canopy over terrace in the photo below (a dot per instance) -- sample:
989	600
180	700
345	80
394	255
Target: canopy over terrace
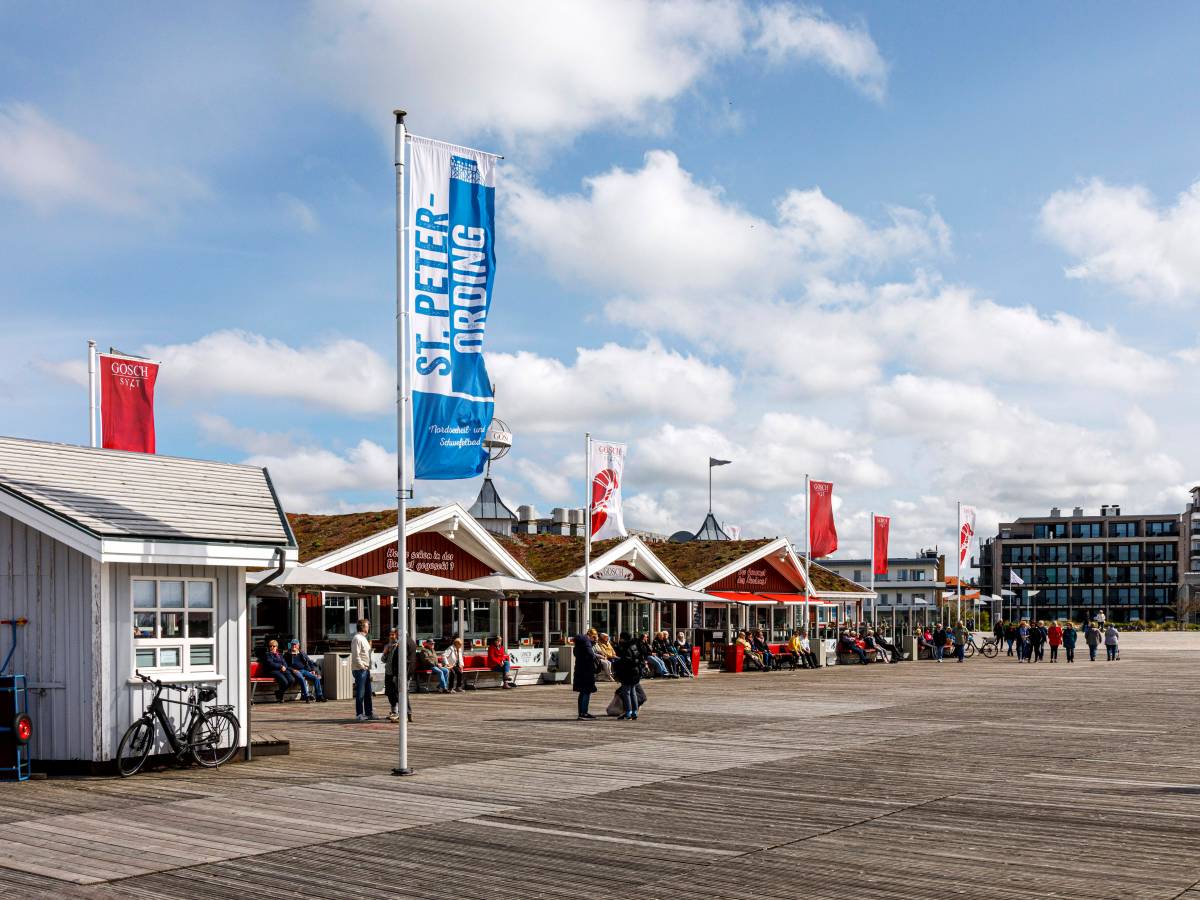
447	543
759	583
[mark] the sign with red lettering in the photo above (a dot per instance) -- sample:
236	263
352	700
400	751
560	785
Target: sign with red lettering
127	403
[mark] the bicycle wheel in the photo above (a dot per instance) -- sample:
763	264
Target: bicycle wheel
969	649
213	738
135	747
990	649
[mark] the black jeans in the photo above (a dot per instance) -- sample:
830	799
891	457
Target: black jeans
456	678
585	697
1053	653
1070	653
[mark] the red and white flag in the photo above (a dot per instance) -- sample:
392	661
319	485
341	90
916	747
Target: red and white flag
881	527
606	466
966	533
822	533
127	402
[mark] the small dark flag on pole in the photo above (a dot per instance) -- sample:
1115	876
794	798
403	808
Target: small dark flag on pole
718	462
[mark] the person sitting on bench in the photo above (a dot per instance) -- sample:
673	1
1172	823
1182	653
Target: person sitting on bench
807	658
873	644
663	650
848	645
682	651
274	665
302	667
751	659
760	645
498	661
605	653
657	667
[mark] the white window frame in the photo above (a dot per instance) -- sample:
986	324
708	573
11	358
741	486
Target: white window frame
185	643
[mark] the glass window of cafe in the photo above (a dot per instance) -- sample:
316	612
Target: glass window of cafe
340	614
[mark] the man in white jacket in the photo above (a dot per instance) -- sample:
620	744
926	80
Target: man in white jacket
360	668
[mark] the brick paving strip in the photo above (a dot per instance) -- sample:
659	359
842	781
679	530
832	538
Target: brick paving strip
921	780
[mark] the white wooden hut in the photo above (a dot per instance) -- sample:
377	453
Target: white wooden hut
124	562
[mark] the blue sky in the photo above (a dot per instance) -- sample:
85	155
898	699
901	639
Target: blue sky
928	251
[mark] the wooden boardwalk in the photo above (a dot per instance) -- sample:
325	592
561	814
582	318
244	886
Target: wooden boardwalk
986	779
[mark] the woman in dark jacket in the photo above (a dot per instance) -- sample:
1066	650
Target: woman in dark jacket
1069	637
583	673
627	668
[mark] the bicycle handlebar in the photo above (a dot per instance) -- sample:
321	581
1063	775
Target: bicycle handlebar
159	684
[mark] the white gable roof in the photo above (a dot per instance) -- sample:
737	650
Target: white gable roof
131	506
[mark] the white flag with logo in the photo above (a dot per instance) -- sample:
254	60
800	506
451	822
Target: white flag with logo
1014	578
606	469
966	532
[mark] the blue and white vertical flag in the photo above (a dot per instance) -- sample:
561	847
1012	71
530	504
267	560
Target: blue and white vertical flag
451	265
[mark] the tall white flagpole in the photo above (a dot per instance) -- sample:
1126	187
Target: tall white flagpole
92	393
586	615
958	530
872	568
807	556
402	767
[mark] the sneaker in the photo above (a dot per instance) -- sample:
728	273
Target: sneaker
392	717
371	718
360	718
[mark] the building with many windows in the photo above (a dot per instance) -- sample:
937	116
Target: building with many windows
910	588
1074	566
1190	528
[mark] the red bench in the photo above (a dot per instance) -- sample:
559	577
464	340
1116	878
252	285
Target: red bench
256	680
476	666
735	656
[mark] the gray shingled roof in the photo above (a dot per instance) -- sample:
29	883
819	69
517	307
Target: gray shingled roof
110	493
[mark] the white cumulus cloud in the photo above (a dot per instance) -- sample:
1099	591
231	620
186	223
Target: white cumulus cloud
1122	237
803	33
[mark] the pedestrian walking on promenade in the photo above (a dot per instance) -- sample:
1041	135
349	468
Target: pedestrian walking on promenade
1010	635
583	674
627	668
998	633
1037	637
960	640
1054	634
391	685
1023	645
940	639
1110	643
1092	637
360	669
1069	636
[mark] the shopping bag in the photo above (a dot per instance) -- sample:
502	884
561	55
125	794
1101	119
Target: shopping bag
615	706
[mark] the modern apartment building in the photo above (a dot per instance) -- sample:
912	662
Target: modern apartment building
1191	539
1076	565
909	589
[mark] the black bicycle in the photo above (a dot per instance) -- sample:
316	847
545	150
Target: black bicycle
209	735
989	648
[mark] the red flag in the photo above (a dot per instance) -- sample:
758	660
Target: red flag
882	524
823	535
127	403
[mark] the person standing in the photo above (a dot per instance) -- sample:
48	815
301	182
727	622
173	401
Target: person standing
583	674
1054	635
1023	642
1010	635
1037	637
940	639
998	633
391	685
628	669
960	640
1069	636
360	668
1110	643
1091	636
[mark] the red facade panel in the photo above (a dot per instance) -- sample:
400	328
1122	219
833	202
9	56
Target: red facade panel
427	552
756	577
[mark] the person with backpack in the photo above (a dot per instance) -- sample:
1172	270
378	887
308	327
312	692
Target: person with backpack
627	668
1054	635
